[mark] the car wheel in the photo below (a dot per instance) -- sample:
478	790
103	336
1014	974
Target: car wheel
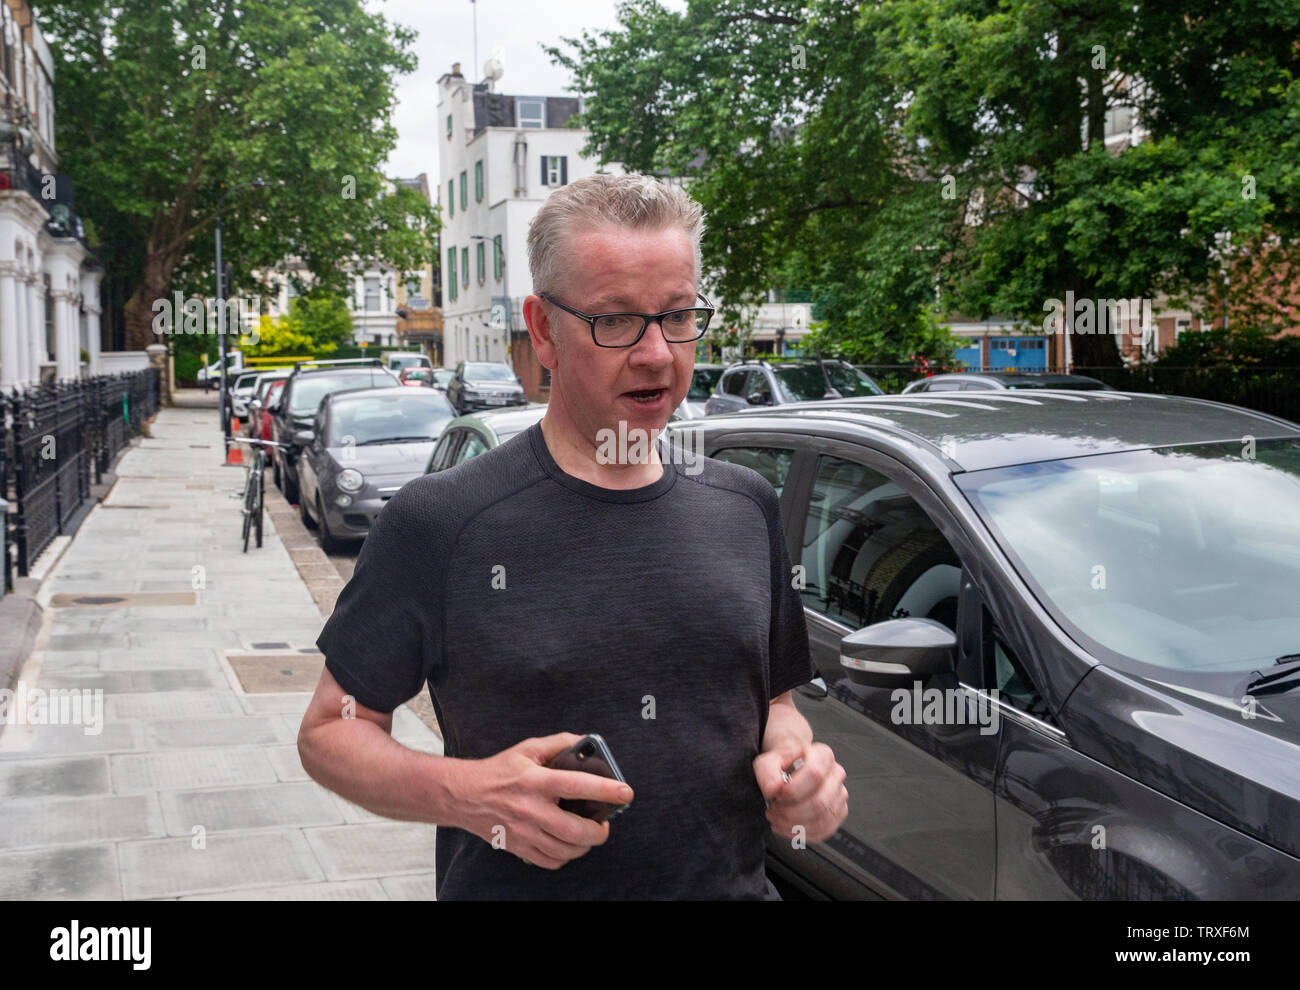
327	541
275	471
290	488
304	515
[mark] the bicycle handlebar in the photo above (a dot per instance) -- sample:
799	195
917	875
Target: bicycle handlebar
251	441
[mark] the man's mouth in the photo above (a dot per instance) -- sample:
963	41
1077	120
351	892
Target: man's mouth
646	395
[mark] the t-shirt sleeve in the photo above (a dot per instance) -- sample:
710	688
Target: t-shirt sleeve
789	659
378	643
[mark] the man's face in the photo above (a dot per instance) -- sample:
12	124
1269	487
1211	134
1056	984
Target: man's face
624	270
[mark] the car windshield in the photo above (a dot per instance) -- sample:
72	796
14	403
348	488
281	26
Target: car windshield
805	381
420	373
406	415
489	373
245	381
703	383
1175	560
307	391
264	386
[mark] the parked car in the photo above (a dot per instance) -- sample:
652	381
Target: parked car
255	401
406	359
363	446
209	377
484	385
983	381
417	376
295	410
442	378
469	436
1056	640
259	410
760	383
703	381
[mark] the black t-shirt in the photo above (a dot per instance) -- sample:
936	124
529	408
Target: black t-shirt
532	602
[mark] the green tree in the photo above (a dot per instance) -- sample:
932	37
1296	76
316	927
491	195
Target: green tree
953	151
165	104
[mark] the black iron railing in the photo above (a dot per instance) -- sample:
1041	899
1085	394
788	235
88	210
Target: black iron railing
55	436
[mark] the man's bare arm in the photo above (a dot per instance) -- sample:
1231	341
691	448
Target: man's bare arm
510	797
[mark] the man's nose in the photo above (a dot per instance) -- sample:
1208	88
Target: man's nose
653	347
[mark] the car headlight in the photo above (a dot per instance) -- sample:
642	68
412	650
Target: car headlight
343	500
350	480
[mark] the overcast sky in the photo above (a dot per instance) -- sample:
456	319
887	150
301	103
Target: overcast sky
446	35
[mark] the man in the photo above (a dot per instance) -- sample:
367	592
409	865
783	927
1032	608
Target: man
544	590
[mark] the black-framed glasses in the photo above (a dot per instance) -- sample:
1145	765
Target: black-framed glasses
679	326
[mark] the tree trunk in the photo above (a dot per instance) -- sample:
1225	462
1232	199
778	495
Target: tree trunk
138	311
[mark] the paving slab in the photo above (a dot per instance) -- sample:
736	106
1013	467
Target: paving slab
224	861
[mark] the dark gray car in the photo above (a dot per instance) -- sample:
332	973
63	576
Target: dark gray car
363	447
484	385
763	383
1057	640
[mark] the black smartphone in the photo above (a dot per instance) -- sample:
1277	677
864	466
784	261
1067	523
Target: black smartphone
590	754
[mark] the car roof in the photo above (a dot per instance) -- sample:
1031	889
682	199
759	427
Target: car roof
388	394
997	429
1041	379
501	421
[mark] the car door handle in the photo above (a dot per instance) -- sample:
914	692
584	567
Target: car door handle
815	689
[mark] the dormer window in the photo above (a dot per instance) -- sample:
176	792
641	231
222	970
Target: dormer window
530	113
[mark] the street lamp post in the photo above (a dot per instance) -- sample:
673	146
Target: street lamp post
221	309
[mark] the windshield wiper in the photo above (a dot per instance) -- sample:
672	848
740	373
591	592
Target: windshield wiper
420	439
1276	680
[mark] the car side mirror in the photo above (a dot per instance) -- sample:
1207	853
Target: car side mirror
897	652
274	409
759	399
303	438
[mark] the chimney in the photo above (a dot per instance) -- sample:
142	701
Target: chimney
455	68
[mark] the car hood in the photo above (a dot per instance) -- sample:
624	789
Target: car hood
495	386
1198	748
385	459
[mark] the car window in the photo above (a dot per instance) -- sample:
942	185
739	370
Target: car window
472	447
978	387
758	383
390	418
702	383
443	453
734	383
773	463
870	552
945	385
1009	677
307	392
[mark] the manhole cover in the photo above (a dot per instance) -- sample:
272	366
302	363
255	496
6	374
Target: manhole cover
125	599
276	673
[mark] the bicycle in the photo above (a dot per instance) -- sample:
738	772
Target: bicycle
254	487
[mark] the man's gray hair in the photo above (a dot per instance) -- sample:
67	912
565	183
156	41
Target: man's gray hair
602	201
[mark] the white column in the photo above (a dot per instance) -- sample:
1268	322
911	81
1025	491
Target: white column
31	344
20	316
40	350
90	302
11	368
64	354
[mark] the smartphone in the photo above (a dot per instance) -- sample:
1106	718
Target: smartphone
590	754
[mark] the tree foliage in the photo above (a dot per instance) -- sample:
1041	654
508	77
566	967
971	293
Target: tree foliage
164	105
891	156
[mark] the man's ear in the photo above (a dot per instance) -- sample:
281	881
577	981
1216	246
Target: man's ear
541	331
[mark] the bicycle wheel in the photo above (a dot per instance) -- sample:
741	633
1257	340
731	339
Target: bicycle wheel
248	505
259	480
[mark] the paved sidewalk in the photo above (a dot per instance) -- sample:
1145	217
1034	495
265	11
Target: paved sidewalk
192	788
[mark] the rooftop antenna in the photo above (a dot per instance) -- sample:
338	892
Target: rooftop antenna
473	4
494	68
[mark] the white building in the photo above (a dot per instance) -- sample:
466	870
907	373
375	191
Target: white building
372	300
499	157
49	281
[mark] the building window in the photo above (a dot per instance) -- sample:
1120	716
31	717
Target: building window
478	181
555	170
451	273
531	113
464	191
464	266
481	252
448	127
372	295
496	257
451	197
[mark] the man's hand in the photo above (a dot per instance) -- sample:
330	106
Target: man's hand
512	797
811	795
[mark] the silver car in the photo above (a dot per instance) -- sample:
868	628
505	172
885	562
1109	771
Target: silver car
364	446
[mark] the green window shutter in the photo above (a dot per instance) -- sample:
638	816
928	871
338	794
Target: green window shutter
496	257
478	182
464	266
464	191
451	197
481	258
451	273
